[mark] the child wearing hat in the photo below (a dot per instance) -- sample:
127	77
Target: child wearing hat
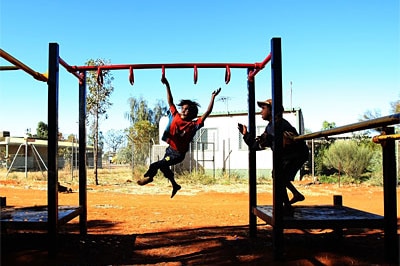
294	155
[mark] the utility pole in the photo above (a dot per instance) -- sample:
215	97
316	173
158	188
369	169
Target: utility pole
291	91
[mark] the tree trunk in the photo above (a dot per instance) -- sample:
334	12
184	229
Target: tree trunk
96	145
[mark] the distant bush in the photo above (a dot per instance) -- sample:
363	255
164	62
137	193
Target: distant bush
349	157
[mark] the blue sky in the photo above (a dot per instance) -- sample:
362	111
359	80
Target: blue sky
342	57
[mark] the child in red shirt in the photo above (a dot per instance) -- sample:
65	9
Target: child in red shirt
179	133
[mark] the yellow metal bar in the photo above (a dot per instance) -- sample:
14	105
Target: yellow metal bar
380	138
20	65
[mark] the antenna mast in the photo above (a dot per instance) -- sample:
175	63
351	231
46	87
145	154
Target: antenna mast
225	100
291	107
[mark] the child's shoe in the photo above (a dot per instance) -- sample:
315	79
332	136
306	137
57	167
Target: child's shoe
175	189
145	181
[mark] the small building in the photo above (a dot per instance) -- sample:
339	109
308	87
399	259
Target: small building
31	153
219	146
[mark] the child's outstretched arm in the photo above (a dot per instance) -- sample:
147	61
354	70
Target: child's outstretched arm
211	104
170	99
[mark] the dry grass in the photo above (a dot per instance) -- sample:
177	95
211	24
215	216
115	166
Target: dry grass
117	174
67	175
122	179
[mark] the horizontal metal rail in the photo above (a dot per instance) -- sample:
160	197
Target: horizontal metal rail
256	67
381	138
9	68
167	65
20	65
373	123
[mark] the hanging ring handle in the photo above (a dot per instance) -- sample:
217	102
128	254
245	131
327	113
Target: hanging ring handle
227	74
99	76
131	76
195	74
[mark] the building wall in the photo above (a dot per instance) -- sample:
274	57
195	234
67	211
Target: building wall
219	145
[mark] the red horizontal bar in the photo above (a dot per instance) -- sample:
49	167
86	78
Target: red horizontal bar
171	65
256	66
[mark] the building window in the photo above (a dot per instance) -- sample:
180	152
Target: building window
206	139
242	144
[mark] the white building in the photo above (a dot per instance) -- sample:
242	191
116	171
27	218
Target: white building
219	147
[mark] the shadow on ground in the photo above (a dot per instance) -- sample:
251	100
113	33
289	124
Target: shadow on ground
198	246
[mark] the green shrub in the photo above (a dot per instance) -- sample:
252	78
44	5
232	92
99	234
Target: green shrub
349	157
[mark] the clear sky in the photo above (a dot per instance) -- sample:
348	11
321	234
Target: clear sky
342	57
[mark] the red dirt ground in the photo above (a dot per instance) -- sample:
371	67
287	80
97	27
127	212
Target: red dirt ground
132	225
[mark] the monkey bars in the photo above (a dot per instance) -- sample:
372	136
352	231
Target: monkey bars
256	67
276	218
52	79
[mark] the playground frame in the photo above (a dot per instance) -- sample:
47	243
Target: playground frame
273	214
313	216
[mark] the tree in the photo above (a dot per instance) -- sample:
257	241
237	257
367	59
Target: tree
143	130
396	109
348	156
395	106
97	103
114	139
320	147
124	155
159	111
368	115
138	110
328	125
72	138
42	130
141	135
376	113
